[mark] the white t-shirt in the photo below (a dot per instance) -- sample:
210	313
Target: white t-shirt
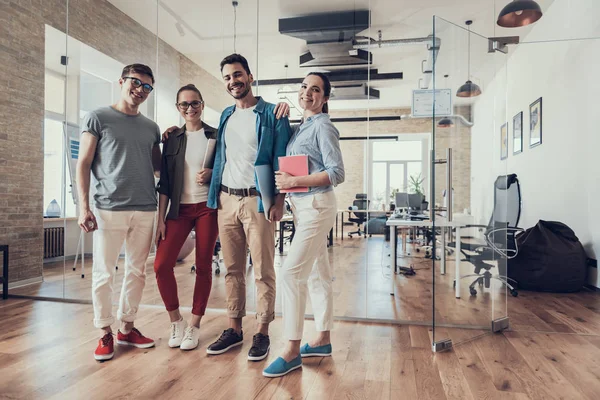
241	147
193	193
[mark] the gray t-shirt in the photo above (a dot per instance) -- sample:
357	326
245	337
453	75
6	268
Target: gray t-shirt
122	164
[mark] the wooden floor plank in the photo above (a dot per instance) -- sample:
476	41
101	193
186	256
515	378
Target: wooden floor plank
532	347
451	374
369	361
428	382
508	369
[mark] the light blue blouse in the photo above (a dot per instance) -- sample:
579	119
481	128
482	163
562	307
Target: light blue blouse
319	139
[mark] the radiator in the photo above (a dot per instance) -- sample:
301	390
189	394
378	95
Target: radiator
54	242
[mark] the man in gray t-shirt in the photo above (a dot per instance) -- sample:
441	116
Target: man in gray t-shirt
120	147
122	164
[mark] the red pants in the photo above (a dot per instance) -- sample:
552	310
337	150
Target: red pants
204	220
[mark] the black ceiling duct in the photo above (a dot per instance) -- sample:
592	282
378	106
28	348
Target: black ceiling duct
329	38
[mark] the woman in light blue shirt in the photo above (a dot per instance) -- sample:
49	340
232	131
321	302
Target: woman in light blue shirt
306	268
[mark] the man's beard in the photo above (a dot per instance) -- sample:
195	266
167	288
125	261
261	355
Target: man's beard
242	94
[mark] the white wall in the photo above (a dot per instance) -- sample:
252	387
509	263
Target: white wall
559	178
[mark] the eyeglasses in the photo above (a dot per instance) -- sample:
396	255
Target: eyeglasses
136	83
184	105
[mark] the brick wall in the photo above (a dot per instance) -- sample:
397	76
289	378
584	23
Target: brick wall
356	152
100	25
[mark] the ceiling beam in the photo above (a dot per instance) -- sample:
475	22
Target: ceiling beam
357	119
337	76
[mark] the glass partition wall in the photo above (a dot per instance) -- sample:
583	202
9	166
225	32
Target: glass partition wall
313	37
413	148
469	222
193	41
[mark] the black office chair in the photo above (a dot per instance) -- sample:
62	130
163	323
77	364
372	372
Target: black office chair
216	259
500	243
360	203
289	227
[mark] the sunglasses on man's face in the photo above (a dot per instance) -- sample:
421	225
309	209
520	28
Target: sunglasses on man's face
136	83
184	105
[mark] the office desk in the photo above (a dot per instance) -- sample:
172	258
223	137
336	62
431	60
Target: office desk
289	220
403	224
387	214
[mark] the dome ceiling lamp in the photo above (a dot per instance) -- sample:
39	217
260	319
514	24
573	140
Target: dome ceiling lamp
519	13
445	122
469	89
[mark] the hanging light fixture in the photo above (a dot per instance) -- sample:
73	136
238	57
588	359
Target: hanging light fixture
469	89
519	13
234	3
445	122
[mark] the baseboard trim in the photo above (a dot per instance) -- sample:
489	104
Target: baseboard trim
43	298
65	258
25	282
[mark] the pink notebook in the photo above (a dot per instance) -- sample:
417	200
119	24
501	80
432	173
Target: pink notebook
295	166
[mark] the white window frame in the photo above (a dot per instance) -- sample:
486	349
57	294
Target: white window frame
425	162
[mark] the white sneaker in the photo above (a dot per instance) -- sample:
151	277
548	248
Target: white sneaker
190	340
177	332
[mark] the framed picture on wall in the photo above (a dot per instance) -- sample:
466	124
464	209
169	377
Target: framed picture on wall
535	123
504	142
518	133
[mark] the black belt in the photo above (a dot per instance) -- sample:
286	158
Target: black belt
240	192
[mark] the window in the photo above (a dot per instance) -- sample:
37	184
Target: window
56	176
395	165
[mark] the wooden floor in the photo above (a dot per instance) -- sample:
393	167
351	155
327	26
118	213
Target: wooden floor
362	290
46	353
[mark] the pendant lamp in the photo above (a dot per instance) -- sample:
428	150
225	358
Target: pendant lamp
469	89
519	13
445	122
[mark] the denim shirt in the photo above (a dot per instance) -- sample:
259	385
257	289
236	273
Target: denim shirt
319	139
273	136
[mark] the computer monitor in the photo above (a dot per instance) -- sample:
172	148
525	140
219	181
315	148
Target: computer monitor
415	201
401	200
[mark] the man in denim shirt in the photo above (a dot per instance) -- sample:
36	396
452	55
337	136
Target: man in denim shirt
249	135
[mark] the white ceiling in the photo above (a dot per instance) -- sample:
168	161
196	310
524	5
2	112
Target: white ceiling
209	27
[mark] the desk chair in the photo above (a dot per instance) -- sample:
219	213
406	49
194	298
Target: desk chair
359	203
500	244
287	230
217	260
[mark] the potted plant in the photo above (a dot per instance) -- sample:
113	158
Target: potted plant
415	185
393	198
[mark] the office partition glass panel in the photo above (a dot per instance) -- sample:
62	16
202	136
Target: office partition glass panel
554	154
37	110
470	219
124	33
311	36
398	280
194	38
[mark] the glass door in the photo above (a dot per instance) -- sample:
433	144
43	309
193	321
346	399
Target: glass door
469	205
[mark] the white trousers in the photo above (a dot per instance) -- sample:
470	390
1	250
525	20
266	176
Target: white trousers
306	267
136	229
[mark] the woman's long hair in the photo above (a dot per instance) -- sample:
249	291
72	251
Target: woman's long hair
326	88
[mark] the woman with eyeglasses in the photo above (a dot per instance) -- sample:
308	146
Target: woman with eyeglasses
184	184
306	269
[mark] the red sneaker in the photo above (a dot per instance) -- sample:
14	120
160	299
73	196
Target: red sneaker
134	338
105	350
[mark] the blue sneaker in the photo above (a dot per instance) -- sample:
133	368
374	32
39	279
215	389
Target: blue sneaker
280	368
321	351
